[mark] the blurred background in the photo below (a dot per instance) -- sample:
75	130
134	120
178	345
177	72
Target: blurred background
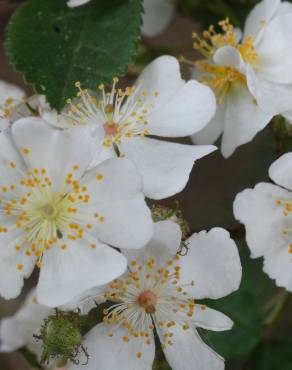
206	202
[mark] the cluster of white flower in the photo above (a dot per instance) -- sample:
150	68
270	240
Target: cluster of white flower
73	189
250	73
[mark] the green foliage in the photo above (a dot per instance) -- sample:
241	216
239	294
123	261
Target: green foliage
274	355
242	308
160	362
54	46
211	11
282	131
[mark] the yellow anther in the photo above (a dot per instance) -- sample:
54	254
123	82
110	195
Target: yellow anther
19	266
126	338
25	151
99	177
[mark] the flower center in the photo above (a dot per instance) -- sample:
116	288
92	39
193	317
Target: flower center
44	215
48	211
148	300
110	129
216	76
150	295
121	112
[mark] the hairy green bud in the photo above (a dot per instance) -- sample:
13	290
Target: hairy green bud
61	337
161	213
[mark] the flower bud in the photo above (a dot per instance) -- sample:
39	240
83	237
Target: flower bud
61	337
162	213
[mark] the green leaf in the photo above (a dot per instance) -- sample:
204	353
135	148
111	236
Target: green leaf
274	355
282	131
243	309
54	45
160	362
209	12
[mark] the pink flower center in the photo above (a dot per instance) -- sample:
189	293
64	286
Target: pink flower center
148	300
110	129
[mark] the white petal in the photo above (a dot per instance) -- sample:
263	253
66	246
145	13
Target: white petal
243	119
260	16
263	218
56	150
17	331
119	199
180	108
128	222
120	180
10	335
288	115
163	76
103	155
157	16
278	265
188	351
272	97
67	273
74	3
51	116
24	108
16	95
185	113
9	155
210	133
284	8
212	263
165	166
228	56
207	318
86	301
163	245
11	278
275	50
100	347
8	90
281	171
4	123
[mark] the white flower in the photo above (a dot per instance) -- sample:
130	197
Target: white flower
252	78
157	16
74	3
160	104
266	213
17	331
60	217
11	97
158	292
269	77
